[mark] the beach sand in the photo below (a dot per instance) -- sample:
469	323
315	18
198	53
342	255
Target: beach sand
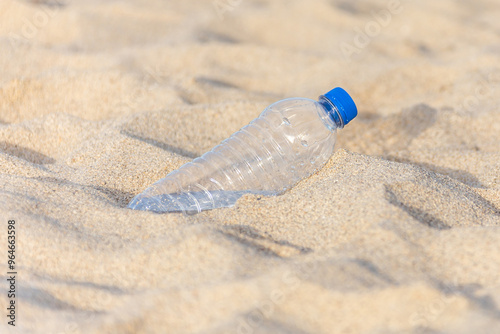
398	233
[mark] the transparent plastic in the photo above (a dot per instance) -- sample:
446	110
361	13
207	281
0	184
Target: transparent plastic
290	140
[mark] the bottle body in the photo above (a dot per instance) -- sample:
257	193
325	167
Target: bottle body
290	140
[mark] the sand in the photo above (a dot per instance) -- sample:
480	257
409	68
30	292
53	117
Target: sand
398	233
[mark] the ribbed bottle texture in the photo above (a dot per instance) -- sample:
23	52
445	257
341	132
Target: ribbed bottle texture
289	141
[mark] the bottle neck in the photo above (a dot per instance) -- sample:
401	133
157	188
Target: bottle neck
332	111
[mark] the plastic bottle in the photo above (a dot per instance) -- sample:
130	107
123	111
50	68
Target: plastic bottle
290	140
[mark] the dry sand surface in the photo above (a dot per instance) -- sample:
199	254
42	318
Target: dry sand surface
398	233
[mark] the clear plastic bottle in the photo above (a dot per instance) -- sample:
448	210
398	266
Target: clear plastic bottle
290	140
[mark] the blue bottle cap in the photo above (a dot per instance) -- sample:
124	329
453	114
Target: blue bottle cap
344	103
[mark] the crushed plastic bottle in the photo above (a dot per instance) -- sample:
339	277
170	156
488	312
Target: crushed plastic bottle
290	140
